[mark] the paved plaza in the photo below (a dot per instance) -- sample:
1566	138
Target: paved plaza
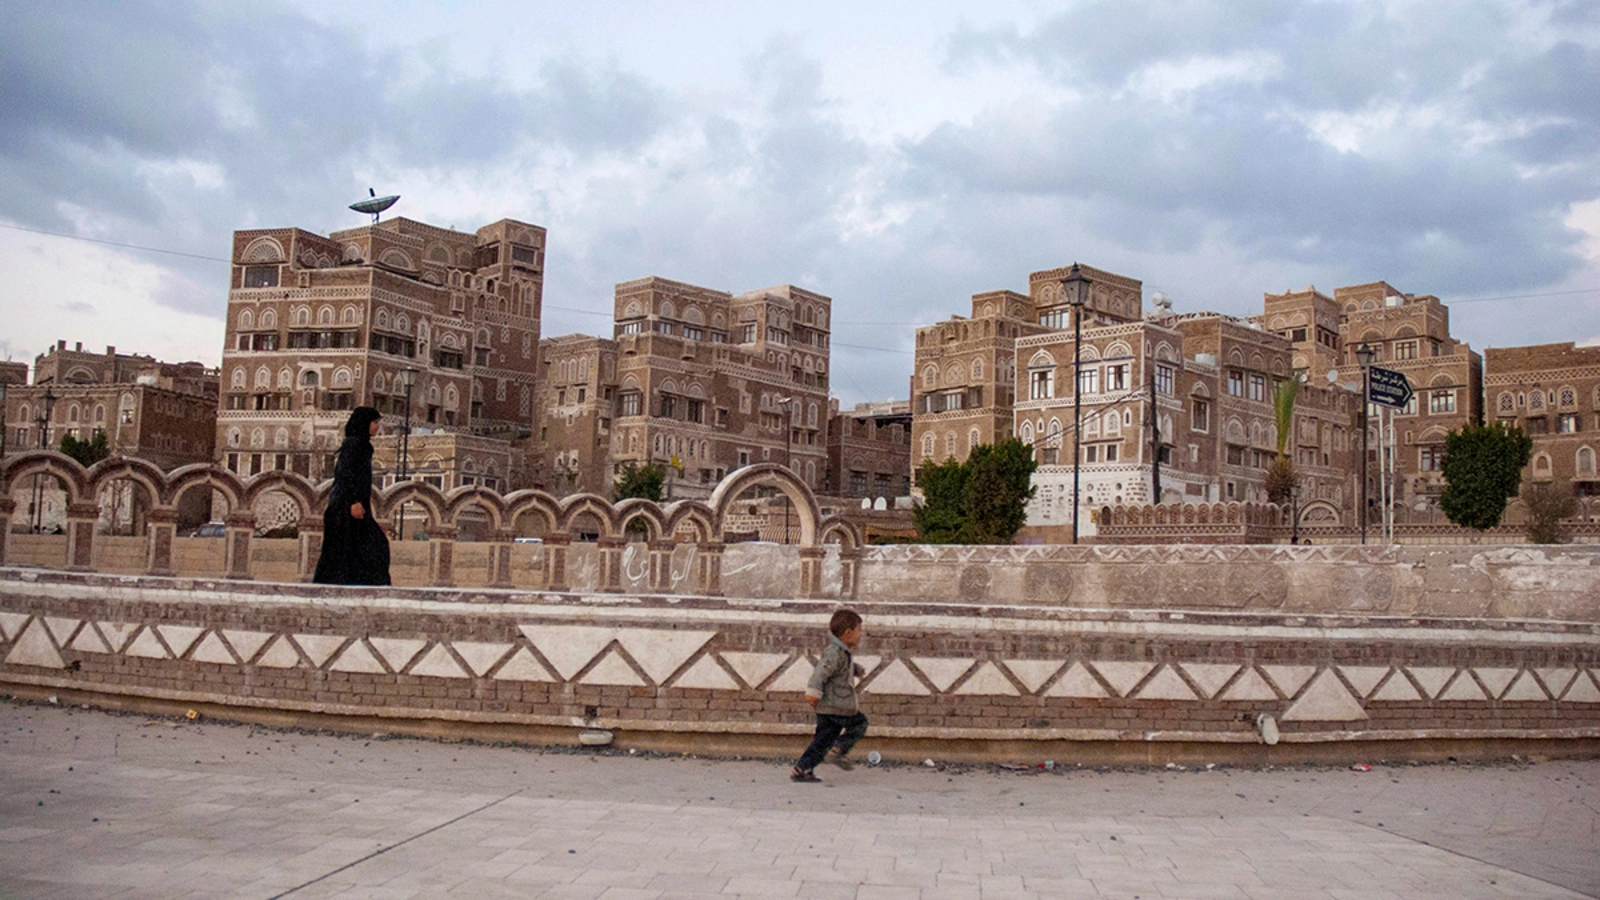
100	805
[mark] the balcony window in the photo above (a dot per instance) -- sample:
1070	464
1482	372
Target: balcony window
1117	377
1042	384
260	276
630	403
1567	423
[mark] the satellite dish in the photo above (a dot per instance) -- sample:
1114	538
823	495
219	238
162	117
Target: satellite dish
1333	375
1162	300
374	204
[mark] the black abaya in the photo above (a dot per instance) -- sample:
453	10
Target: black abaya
354	551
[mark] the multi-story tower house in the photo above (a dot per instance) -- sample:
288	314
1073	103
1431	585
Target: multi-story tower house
577	403
1552	392
869	451
318	325
1310	320
708	382
962	388
161	412
963	384
1410	334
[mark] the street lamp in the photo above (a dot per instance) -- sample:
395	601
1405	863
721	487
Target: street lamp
43	422
1364	355
788	456
1076	286
408	380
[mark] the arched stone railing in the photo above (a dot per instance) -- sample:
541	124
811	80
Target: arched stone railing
555	522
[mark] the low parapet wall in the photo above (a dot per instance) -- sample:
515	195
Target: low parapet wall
1523	582
948	679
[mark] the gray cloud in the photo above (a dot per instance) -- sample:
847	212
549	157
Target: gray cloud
1240	157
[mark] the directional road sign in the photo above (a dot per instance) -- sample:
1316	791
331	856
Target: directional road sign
1388	387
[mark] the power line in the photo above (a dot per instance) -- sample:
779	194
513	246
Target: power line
79	237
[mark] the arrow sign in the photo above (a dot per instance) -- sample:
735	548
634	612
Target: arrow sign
1388	387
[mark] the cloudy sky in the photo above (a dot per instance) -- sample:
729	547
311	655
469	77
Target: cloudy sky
897	157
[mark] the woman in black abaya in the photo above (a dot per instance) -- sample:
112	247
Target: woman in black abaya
354	548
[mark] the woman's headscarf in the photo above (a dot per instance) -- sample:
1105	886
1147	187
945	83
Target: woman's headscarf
360	422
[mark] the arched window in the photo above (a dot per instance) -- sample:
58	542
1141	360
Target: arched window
247	320
325	316
1585	461
972	440
269	319
927	446
930	375
977	370
263	378
309	378
949	444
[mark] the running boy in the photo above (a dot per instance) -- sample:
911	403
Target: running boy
832	692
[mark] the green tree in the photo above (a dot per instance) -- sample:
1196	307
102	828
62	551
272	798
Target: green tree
88	452
944	502
1482	469
647	481
1281	476
981	501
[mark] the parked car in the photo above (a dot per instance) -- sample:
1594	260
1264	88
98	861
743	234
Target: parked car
210	530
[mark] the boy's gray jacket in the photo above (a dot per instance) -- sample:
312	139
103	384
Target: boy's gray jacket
833	681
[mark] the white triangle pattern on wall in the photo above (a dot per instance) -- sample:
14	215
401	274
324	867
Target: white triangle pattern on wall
1319	695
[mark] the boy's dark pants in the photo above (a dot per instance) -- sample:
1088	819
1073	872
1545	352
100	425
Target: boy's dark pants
842	731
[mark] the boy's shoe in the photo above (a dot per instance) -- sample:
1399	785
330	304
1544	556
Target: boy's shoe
807	776
837	757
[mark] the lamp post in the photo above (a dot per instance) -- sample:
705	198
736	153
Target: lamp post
408	380
788	455
1076	286
1364	356
44	442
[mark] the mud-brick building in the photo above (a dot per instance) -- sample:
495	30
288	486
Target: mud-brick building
869	452
577	407
1552	392
317	325
708	382
1409	334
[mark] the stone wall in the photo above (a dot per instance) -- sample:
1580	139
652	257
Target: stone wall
1554	583
1104	678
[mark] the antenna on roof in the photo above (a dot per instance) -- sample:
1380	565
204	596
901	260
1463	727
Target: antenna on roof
374	205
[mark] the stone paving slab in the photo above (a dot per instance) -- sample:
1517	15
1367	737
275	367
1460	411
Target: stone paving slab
99	805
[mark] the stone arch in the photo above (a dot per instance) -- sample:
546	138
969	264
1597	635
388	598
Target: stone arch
525	502
695	514
593	504
777	476
298	489
648	512
119	468
475	495
209	476
848	535
74	480
386	502
1118	349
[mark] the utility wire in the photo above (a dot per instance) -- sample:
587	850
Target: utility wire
79	237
